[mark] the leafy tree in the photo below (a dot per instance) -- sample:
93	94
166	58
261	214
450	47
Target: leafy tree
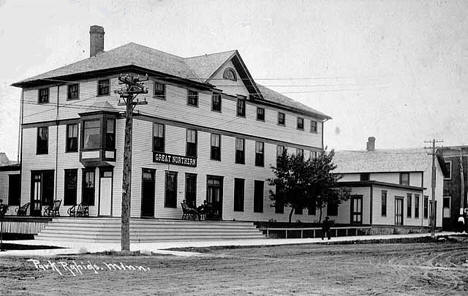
306	183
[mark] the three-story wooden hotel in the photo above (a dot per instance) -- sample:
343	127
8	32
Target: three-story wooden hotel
209	132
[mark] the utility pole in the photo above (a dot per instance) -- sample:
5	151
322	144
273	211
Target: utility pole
462	188
133	86
433	183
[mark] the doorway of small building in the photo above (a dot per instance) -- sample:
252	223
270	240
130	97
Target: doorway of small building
356	209
147	192
433	212
42	191
398	210
214	197
106	177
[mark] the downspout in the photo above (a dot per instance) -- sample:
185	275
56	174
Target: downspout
371	203
323	124
56	140
20	130
462	184
20	142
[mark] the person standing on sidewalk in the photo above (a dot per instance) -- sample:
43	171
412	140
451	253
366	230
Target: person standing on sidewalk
326	227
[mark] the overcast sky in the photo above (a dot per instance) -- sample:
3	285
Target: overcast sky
396	70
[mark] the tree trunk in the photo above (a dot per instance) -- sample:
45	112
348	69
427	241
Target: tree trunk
290	215
320	216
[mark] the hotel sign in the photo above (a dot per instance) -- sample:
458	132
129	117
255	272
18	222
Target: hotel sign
174	159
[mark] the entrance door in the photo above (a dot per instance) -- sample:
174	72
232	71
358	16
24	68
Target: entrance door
214	197
398	210
42	191
105	192
147	193
433	213
356	209
14	190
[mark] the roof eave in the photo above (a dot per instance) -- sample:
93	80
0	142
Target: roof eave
108	71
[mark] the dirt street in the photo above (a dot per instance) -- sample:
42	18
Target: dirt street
363	269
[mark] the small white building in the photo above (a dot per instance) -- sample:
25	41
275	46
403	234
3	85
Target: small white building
10	184
389	187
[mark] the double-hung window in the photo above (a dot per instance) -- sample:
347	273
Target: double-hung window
43	95
72	138
313	126
241	107
259	155
240	150
216	102
409	204
258	196
42	140
158	137
73	92
239	195
426	206
103	87
192	98
281	118
215	147
110	133
92	134
170	199
416	206
159	90
260	114
383	204
300	123
69	194
404	179
191	149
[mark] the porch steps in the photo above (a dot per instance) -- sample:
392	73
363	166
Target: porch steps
146	230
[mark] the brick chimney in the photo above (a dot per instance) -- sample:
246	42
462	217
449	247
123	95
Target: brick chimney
371	144
96	40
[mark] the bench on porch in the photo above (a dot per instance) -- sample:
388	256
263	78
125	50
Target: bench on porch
78	210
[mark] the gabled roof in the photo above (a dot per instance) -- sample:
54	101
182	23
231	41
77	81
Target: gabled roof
276	97
130	54
206	65
383	160
197	70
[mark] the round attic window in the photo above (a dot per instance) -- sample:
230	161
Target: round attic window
230	74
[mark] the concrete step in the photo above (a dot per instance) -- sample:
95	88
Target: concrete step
145	221
178	226
146	230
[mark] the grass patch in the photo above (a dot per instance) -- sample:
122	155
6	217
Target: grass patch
409	240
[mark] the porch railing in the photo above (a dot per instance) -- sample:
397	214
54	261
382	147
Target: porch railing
354	230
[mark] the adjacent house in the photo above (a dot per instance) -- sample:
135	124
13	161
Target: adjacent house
209	132
455	184
389	187
10	186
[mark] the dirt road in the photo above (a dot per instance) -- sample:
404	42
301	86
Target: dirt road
365	269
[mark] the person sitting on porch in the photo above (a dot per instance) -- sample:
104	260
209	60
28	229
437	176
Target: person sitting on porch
3	208
191	210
